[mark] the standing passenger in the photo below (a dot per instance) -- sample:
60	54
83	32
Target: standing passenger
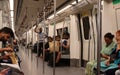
41	36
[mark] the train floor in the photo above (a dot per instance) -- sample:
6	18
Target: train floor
31	65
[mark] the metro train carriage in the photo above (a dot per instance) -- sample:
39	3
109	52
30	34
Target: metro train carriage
60	37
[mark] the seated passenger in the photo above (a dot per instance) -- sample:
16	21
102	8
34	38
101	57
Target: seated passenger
65	43
57	38
51	46
47	51
114	65
57	54
5	34
8	56
105	53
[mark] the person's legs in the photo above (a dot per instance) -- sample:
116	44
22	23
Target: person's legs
111	71
58	57
47	56
51	57
40	48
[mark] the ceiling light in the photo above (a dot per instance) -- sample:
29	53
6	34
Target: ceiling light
79	0
74	2
11	4
60	11
50	17
64	9
12	19
102	2
12	13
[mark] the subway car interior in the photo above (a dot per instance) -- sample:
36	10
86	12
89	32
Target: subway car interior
59	37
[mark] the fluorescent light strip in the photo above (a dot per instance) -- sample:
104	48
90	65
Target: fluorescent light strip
12	23
102	2
11	4
64	9
13	26
74	2
79	0
50	17
12	13
12	19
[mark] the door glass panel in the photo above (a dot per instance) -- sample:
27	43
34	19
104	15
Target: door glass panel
86	27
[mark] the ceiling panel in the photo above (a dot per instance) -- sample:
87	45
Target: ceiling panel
30	8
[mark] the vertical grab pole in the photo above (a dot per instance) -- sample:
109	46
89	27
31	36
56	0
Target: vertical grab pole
54	36
37	44
28	43
92	26
116	19
89	44
25	45
99	29
62	36
32	41
44	44
27	35
31	44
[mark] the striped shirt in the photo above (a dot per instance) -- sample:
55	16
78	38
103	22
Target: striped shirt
41	37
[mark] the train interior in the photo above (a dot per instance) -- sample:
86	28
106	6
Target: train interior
79	20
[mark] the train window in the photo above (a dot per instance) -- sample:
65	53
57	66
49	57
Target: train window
86	27
47	29
59	31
